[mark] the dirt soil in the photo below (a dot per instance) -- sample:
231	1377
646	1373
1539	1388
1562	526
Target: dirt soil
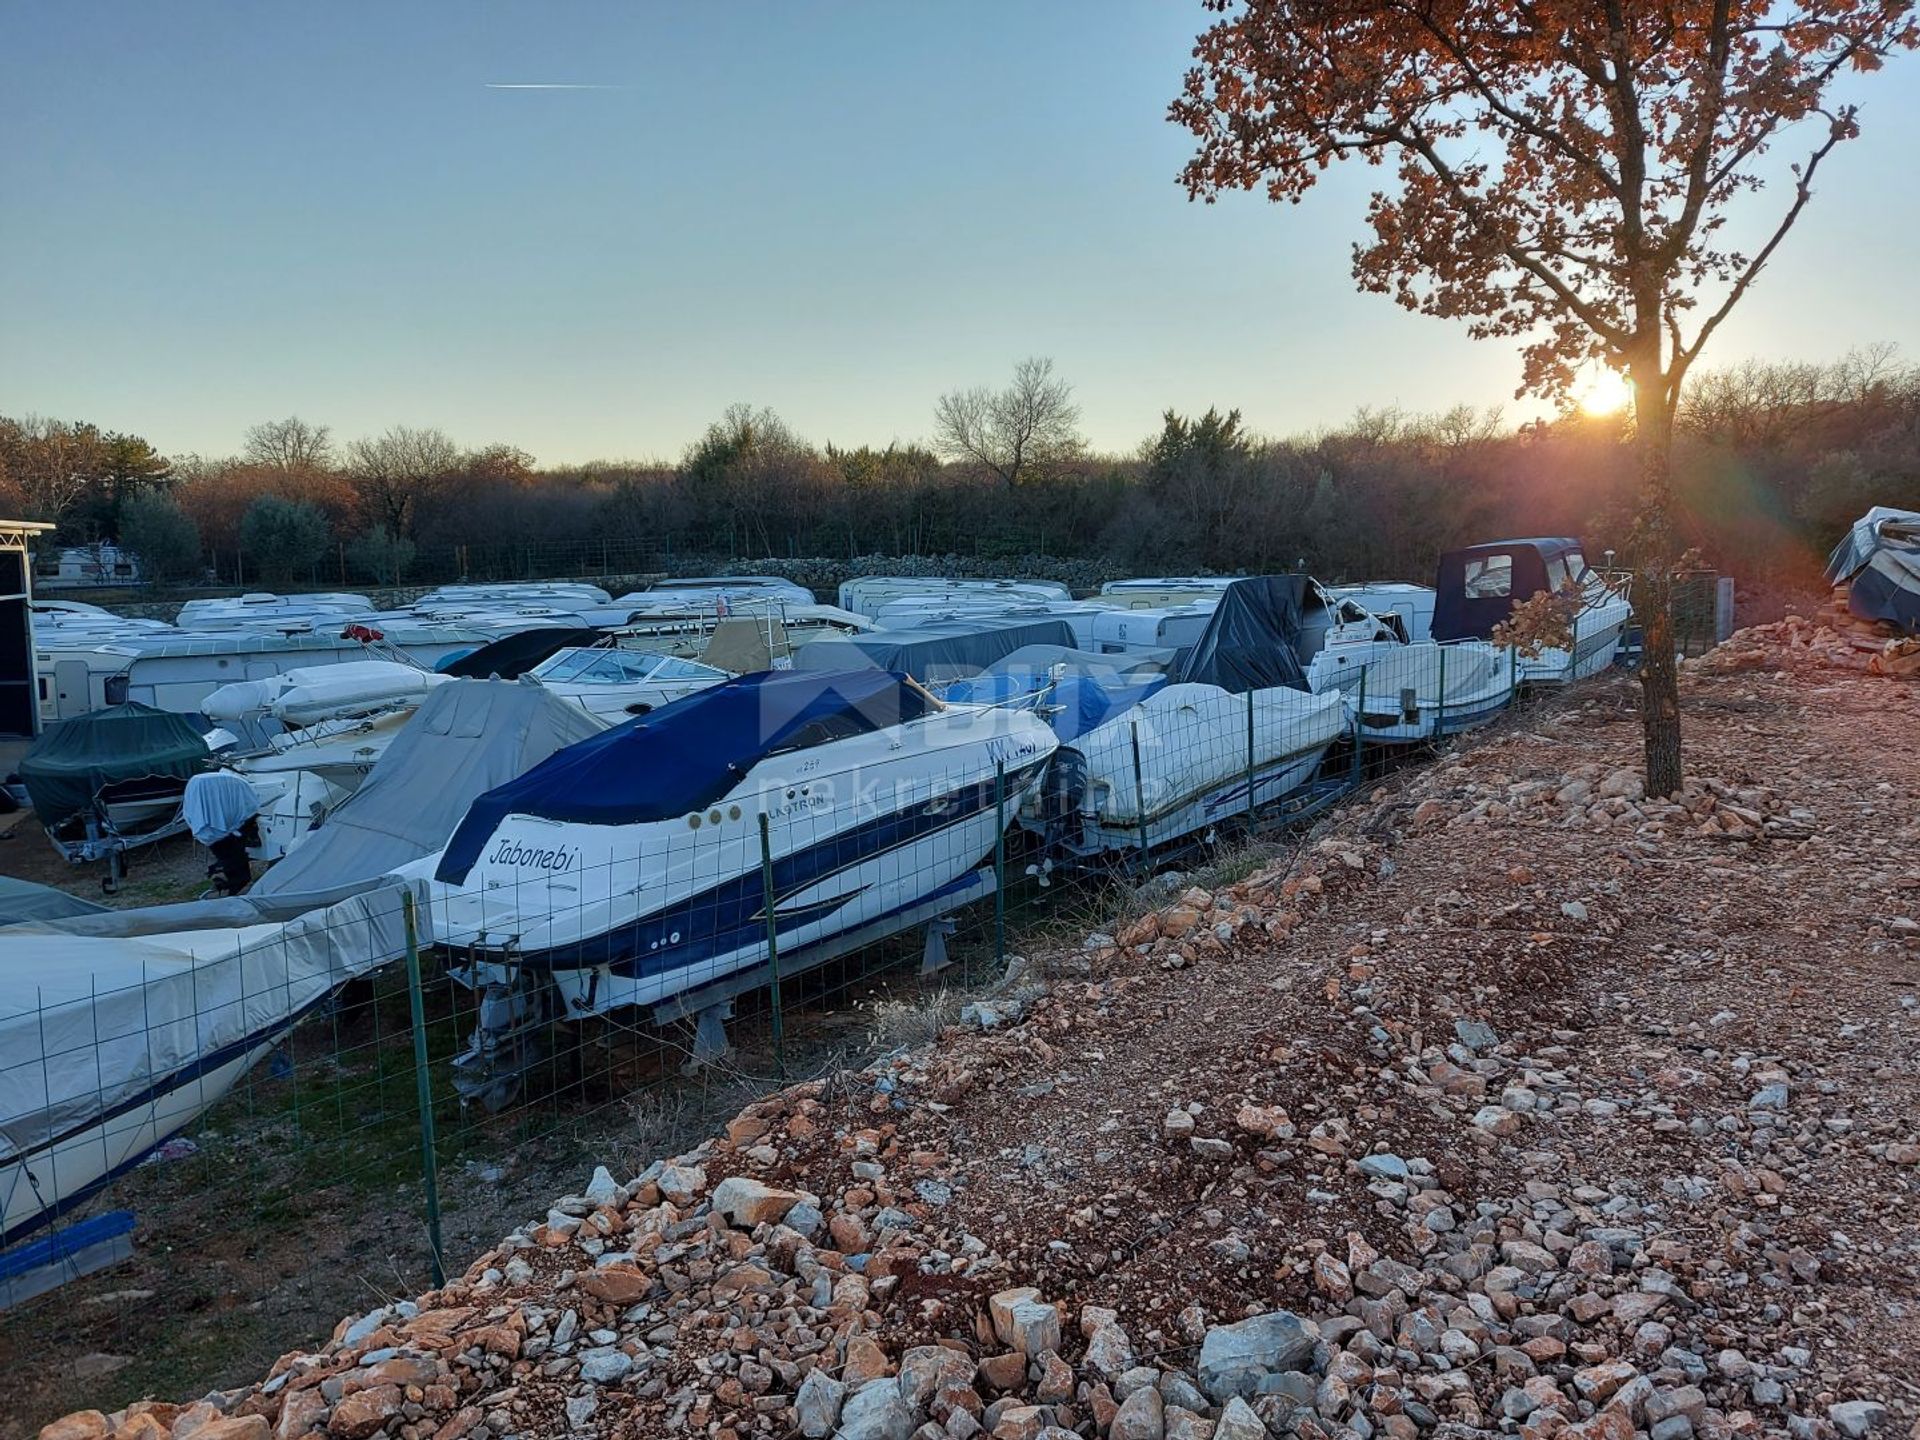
1639	1079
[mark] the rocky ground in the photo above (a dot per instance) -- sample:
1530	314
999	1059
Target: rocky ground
1514	1102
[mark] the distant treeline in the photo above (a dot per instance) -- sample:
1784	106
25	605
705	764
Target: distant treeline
1775	459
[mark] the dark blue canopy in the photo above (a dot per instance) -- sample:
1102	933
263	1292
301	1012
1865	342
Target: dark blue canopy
685	756
1505	573
511	656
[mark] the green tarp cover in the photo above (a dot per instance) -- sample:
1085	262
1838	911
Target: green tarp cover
71	762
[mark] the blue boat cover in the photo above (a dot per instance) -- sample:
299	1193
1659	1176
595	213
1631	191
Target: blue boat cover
1879	558
1252	641
1091	688
685	756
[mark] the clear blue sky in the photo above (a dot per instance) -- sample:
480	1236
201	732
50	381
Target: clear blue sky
214	214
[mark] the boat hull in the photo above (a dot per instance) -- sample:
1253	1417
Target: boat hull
1411	694
1596	643
630	915
1183	760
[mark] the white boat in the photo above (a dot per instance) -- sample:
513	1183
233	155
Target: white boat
314	735
1280	673
1411	606
1398	692
312	694
1183	760
629	868
919	611
302	775
1479	587
467	737
618	684
119	1030
865	594
736	587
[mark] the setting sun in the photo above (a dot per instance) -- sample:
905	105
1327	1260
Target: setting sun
1605	392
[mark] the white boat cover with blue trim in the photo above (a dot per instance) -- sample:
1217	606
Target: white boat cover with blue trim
109	1044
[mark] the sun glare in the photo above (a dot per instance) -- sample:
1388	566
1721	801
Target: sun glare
1605	392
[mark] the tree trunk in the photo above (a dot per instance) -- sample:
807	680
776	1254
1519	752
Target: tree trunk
1657	552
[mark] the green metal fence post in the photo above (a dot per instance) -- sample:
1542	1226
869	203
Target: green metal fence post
1251	808
1000	863
1440	700
773	948
1573	651
429	1160
1359	728
1139	792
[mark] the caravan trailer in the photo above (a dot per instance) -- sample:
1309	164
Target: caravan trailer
177	671
1167	628
1153	592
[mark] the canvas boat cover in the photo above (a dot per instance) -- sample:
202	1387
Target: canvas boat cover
1089	690
102	1040
1879	560
686	755
217	805
935	654
467	737
22	901
1190	738
1252	641
514	655
70	764
1458	615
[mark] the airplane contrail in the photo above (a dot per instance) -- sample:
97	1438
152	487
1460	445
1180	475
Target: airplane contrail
496	85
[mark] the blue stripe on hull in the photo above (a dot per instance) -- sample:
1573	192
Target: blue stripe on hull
731	916
198	1069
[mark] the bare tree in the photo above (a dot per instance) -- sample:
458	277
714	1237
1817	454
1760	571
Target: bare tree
50	462
1031	425
393	472
290	444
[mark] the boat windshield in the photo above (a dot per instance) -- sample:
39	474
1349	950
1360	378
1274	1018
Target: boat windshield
620	667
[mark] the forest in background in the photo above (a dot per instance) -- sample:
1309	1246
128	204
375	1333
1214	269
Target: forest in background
1774	460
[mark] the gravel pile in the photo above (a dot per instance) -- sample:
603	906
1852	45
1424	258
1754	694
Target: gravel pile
1513	1102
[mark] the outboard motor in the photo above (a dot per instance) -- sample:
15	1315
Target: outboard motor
1056	800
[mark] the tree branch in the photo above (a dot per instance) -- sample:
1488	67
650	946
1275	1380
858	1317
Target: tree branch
1802	193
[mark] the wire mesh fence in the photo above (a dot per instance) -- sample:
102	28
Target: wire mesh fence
215	1142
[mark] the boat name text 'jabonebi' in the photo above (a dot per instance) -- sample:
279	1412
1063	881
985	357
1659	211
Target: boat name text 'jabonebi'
525	857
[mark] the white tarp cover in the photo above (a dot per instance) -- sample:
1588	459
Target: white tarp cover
217	805
1194	737
316	691
90	1022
